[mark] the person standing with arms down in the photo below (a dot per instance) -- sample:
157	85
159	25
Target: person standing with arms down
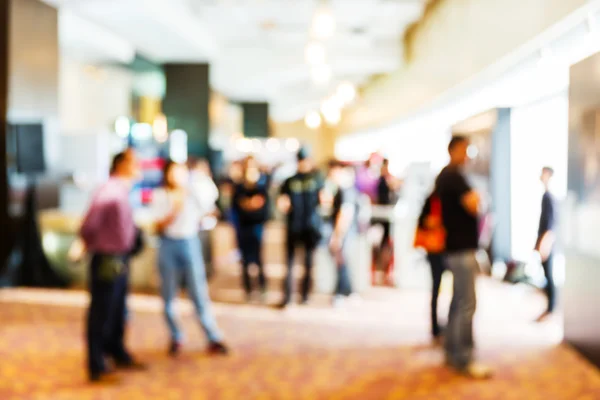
545	241
299	200
431	236
460	209
178	210
343	216
250	201
109	234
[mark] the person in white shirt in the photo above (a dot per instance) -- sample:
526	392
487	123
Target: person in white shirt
178	208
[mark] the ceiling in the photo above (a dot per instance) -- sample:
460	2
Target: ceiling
256	48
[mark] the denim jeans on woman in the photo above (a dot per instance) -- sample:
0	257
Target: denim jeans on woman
182	258
459	334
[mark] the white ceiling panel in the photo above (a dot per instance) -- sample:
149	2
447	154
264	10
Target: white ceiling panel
257	47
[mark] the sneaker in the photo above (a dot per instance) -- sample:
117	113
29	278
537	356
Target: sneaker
218	348
338	301
478	371
175	348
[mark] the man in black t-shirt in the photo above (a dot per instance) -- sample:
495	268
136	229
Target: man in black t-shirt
343	217
251	205
545	241
460	208
299	200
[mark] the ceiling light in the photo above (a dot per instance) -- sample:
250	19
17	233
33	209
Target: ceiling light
323	26
313	120
333	116
321	74
315	53
346	92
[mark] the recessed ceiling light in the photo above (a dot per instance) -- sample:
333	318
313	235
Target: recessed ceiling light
313	120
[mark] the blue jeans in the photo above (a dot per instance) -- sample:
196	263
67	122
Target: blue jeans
343	286
182	258
459	334
250	242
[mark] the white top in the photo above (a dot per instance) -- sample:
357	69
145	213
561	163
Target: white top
205	185
187	224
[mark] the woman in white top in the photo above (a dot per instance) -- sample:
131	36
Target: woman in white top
178	209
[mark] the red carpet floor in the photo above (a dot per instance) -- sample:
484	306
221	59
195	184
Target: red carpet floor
377	349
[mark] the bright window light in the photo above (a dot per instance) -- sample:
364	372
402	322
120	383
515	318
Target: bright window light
323	26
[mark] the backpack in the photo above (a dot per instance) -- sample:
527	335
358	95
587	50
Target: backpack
430	234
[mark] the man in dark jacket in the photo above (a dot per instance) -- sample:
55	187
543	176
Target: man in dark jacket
299	200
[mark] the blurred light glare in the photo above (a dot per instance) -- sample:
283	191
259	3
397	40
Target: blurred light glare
315	53
256	145
472	151
141	132
321	74
292	145
244	145
332	116
313	120
346	92
178	146
122	127
323	26
50	243
273	145
160	129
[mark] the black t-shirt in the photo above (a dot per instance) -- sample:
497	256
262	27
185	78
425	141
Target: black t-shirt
244	192
548	216
462	231
348	196
384	192
303	191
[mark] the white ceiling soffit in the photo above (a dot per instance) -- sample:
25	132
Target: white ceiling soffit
83	40
257	47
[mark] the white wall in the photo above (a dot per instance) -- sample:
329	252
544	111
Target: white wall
539	137
92	97
459	40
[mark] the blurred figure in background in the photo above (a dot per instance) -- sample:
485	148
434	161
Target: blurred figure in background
299	201
460	210
545	240
178	208
202	180
383	255
109	234
250	202
344	215
431	236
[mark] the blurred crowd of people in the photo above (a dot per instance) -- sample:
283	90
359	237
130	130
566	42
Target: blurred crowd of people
317	206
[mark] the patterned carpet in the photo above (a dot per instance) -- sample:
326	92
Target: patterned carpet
376	349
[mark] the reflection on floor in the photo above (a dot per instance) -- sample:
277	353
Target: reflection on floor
375	349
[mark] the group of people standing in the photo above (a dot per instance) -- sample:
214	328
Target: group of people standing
449	231
178	208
